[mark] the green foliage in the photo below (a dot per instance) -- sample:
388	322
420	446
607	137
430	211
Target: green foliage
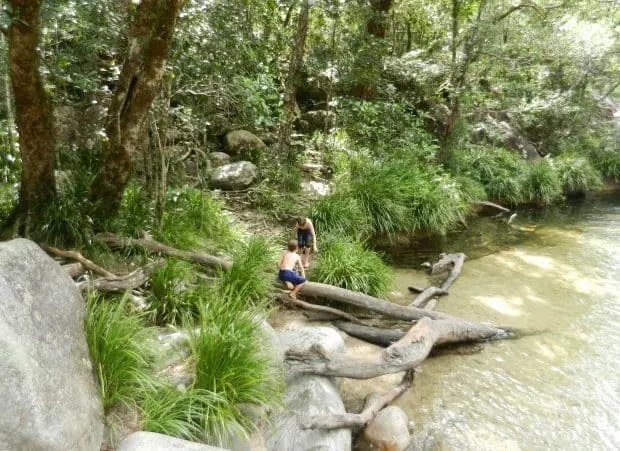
8	201
194	414
248	278
230	355
136	212
170	301
193	219
607	161
340	214
542	184
346	263
577	175
116	340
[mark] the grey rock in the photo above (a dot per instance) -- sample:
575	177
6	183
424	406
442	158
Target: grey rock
47	385
272	342
234	176
307	396
218	159
242	140
303	338
151	441
387	431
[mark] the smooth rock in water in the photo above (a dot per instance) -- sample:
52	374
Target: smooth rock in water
242	140
307	396
151	441
218	159
47	384
388	431
234	176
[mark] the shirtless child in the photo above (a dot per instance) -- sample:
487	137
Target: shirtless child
289	260
306	237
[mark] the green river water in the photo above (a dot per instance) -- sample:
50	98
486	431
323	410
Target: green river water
559	389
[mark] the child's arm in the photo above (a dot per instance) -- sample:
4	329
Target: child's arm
314	243
301	266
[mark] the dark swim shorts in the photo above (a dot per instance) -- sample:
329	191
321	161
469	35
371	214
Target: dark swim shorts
286	275
304	238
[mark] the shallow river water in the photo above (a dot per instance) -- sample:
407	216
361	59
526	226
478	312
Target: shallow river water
558	389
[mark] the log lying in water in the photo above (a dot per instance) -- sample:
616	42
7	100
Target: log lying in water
428	293
376	335
404	355
452	262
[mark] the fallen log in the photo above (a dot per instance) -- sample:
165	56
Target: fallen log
154	246
374	403
74	255
329	317
375	335
415	289
285	298
428	293
404	355
74	269
121	284
451	262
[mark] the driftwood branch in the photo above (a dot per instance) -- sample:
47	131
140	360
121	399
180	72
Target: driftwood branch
121	284
485	203
404	355
74	255
374	404
428	293
451	262
160	248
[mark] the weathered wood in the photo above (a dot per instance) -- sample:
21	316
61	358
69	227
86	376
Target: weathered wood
121	284
415	289
404	355
375	335
431	305
374	403
485	203
74	255
428	293
74	269
285	298
160	248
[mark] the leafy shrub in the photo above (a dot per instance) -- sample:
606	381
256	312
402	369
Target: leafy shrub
607	161
346	263
542	184
170	301
195	219
247	278
230	358
8	201
117	346
340	214
577	175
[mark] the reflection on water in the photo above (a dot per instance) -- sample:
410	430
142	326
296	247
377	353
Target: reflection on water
556	390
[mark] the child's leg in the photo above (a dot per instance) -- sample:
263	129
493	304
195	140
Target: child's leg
306	261
296	290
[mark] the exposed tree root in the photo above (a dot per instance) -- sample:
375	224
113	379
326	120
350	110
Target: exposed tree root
404	355
121	284
74	255
374	403
74	269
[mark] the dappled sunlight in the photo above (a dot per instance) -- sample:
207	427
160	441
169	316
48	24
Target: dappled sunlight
502	305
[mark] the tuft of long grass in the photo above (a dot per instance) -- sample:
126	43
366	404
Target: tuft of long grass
607	161
194	414
136	213
341	214
542	184
346	263
230	359
170	300
193	218
117	343
577	175
248	277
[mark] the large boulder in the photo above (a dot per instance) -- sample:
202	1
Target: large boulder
234	176
307	396
239	141
151	441
47	385
306	337
218	159
388	431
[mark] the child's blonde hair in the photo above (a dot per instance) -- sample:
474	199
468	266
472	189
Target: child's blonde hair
292	245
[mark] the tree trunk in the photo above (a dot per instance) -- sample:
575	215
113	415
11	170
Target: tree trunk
290	87
150	36
377	25
33	113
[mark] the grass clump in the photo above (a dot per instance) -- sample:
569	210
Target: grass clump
340	214
577	175
346	263
542	184
607	161
170	301
8	201
230	358
193	218
116	340
136	213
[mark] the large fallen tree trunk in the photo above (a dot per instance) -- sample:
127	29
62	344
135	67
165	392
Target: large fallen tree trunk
121	284
404	355
374	404
160	248
375	335
286	299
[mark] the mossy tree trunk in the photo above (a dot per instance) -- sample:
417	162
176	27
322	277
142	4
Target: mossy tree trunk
377	25
150	36
33	114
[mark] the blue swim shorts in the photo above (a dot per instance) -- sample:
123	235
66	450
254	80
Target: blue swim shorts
286	275
304	238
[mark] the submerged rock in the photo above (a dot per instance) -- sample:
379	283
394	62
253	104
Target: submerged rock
234	176
151	441
47	385
388	431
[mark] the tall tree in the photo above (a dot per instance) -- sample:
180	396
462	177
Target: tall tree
33	113
149	39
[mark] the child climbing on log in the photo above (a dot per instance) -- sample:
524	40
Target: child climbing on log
305	238
288	261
